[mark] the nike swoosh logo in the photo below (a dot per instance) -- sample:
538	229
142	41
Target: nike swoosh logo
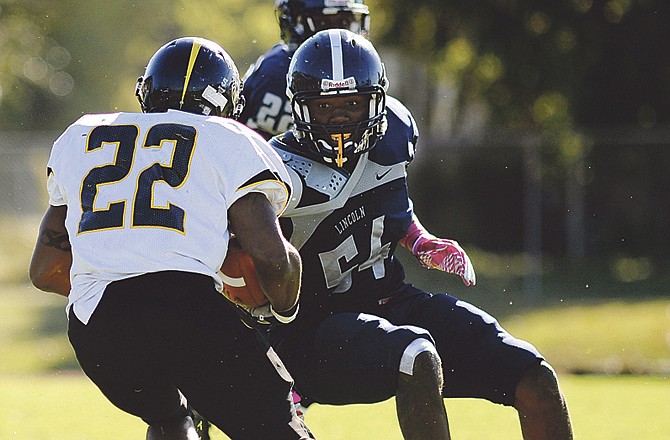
382	175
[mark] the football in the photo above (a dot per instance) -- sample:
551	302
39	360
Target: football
240	282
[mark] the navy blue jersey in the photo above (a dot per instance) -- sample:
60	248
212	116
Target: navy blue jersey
357	314
346	225
267	109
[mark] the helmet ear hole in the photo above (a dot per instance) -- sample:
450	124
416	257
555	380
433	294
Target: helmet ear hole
138	92
385	81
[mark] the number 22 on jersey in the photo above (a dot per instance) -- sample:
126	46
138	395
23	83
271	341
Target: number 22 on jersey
144	212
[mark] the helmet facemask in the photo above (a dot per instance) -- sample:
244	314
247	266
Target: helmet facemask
338	143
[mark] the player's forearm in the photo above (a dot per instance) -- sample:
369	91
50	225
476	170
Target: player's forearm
51	272
280	279
415	230
57	283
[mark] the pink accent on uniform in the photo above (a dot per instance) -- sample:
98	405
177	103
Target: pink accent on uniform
438	253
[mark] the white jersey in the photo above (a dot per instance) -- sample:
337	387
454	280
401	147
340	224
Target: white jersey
150	192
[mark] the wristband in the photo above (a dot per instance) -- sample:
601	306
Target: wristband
414	233
285	316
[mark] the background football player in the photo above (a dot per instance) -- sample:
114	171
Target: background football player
136	231
363	334
267	109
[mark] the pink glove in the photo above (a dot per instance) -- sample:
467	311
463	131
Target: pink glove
445	255
439	253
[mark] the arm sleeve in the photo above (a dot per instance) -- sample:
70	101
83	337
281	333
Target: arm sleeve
56	193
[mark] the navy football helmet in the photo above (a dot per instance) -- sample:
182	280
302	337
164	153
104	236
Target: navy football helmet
194	75
300	19
337	62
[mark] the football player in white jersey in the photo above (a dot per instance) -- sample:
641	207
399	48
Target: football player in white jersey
136	231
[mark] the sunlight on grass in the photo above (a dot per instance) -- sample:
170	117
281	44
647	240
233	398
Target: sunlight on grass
379	421
32	330
69	407
619	407
612	337
61	407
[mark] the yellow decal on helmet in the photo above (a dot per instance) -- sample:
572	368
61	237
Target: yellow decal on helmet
189	69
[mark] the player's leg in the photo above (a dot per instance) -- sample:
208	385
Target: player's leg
543	411
482	360
117	353
150	397
421	412
233	378
359	358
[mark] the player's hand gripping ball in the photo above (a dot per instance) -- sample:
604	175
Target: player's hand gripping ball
240	282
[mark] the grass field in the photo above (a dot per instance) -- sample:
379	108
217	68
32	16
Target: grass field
43	395
69	407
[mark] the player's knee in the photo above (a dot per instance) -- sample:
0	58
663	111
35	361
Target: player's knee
421	366
538	386
181	428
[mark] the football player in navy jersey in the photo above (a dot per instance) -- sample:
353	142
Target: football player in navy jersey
267	109
136	231
363	334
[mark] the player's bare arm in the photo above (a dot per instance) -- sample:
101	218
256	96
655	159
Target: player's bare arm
52	257
277	262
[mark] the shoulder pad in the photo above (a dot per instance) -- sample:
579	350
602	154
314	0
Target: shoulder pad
316	175
399	141
399	110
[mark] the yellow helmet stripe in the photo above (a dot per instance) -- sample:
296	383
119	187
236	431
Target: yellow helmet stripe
189	70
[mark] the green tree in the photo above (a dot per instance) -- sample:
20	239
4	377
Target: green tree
34	67
547	64
62	59
564	71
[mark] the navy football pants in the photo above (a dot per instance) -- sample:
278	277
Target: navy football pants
156	337
355	357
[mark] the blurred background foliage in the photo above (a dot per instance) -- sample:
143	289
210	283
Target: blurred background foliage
545	125
552	66
63	58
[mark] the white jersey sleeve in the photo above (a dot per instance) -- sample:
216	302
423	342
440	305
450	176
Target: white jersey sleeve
150	192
